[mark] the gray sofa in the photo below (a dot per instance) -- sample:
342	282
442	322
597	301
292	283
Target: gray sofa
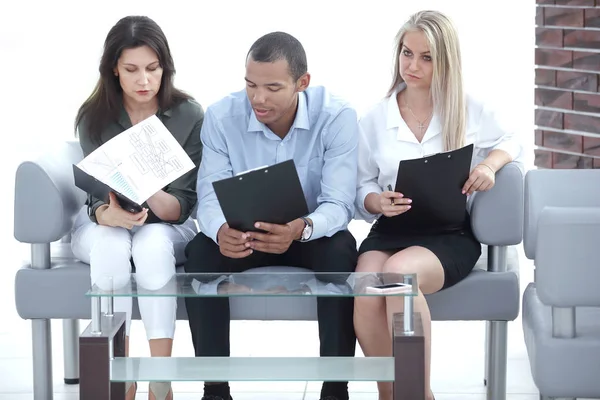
52	285
561	308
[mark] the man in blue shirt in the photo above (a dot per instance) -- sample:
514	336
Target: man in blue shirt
277	118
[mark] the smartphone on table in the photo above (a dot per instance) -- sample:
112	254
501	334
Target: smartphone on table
390	288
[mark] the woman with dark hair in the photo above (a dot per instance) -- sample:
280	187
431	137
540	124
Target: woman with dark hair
136	82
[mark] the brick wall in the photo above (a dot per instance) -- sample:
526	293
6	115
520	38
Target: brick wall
567	79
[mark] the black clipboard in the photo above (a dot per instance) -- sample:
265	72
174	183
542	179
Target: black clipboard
434	184
270	194
100	190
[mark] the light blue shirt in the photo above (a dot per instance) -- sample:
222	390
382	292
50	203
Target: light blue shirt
322	142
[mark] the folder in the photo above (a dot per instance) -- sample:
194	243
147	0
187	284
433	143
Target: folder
100	190
434	184
134	165
270	194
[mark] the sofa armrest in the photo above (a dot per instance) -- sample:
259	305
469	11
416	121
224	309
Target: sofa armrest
567	273
556	188
46	198
497	215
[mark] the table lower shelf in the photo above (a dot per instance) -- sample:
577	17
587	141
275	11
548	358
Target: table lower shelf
219	369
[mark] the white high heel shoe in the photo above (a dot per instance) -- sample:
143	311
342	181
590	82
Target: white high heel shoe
128	386
160	390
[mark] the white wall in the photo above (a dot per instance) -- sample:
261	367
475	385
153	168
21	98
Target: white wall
49	51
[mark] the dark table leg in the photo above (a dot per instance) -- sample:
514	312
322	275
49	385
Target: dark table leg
94	359
409	359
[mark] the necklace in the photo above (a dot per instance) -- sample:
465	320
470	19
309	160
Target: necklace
420	125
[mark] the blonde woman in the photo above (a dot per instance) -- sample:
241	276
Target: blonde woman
425	112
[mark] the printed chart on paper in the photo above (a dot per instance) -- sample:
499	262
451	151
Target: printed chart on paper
140	161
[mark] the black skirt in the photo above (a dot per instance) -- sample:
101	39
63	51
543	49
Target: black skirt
458	250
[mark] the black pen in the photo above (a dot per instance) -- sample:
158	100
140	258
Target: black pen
391	190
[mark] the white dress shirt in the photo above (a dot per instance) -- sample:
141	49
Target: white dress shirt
385	140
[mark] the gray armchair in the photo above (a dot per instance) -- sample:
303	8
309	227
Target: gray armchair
561	309
53	284
491	292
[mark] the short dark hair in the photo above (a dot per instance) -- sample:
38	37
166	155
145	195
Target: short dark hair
277	46
103	105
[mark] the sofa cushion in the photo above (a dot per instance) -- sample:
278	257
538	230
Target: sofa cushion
59	292
482	296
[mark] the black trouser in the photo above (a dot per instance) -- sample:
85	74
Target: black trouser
209	316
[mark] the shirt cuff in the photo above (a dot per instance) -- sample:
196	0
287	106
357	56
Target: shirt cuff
319	228
184	207
362	194
213	228
92	208
208	288
319	287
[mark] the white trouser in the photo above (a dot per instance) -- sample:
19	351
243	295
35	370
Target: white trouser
155	250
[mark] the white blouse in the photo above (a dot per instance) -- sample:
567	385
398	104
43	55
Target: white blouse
385	140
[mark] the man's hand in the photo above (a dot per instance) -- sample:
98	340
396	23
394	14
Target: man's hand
113	215
482	178
233	243
278	238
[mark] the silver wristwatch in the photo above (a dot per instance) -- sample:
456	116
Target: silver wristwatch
307	231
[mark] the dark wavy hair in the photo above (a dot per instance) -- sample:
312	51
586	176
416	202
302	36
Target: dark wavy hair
104	104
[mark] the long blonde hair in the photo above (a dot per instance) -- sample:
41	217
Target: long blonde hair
447	90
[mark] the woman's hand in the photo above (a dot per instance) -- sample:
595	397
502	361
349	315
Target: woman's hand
113	215
393	203
482	178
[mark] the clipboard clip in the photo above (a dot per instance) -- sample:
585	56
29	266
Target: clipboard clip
444	152
251	170
426	159
239	174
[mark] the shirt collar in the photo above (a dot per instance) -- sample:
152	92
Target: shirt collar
394	119
301	121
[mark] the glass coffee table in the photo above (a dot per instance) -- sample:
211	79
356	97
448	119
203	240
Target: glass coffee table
104	369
